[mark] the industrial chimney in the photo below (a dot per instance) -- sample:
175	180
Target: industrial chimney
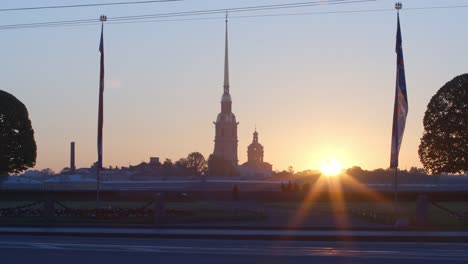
72	158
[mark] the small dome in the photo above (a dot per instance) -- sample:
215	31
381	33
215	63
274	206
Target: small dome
255	146
226	118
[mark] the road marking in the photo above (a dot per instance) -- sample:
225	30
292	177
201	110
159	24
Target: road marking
43	245
421	254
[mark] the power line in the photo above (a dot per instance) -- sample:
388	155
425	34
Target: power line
290	14
84	5
116	21
350	11
166	17
186	13
244	9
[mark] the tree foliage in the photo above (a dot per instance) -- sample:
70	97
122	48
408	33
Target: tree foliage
17	144
197	163
444	144
167	167
193	165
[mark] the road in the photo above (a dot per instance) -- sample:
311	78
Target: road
87	250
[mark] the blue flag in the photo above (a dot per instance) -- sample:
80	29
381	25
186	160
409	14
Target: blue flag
101	100
401	102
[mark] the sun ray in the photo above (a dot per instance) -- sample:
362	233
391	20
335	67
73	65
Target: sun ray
340	187
362	189
339	209
305	206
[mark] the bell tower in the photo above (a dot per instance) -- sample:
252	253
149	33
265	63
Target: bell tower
226	124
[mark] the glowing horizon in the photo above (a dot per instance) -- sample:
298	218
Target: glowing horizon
331	168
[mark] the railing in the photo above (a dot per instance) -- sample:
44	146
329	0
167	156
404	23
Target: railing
449	212
53	209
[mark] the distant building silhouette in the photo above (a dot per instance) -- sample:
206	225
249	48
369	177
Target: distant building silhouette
154	161
225	149
255	150
72	158
255	166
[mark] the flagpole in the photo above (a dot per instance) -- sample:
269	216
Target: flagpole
102	18
98	188
395	195
398	6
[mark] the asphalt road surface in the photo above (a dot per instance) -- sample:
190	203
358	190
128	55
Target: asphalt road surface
86	250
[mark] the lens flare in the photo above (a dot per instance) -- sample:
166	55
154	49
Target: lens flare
331	168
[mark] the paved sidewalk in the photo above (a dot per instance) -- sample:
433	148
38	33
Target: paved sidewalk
258	234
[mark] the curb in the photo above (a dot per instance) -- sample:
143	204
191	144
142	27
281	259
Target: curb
296	235
232	227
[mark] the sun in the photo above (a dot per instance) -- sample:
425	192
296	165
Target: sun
331	167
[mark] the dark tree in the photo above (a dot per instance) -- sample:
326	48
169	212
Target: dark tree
17	144
196	163
181	163
167	164
67	170
48	172
444	144
181	167
167	167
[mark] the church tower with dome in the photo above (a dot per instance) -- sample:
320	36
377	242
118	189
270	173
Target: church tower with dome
225	147
255	166
255	151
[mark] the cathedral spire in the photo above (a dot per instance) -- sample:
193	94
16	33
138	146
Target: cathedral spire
226	61
226	125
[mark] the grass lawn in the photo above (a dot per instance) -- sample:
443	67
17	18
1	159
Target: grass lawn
456	206
442	218
437	217
320	206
